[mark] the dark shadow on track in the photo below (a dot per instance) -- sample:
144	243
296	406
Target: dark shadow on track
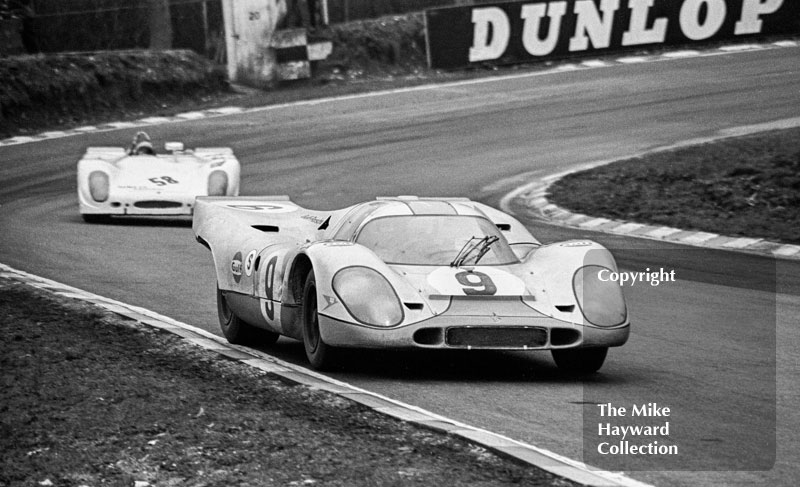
451	366
139	221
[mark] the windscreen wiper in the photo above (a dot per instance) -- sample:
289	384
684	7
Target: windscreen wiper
481	245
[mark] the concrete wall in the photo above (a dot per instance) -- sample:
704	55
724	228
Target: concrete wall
249	25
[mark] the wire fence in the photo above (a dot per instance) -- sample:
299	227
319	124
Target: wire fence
347	10
92	25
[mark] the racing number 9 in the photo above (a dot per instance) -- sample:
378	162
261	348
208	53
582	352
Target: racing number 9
484	286
269	275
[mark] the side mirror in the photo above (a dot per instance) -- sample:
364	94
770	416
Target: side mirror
173	146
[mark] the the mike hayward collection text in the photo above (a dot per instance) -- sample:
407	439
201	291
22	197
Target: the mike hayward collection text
625	439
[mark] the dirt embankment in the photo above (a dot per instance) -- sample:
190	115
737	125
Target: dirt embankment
49	90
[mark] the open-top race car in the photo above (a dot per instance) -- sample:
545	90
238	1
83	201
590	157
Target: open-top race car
407	272
138	181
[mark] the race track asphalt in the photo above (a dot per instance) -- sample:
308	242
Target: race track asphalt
718	346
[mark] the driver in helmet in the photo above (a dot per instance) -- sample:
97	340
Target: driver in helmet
141	145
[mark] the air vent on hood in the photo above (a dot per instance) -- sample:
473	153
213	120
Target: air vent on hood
266	228
565	308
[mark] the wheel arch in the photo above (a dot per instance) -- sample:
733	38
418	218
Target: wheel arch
296	279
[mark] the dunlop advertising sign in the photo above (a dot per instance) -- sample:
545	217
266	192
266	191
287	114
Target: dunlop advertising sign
518	32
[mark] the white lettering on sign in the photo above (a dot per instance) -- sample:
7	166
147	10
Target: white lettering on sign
594	24
690	18
491	34
590	26
637	32
532	15
750	23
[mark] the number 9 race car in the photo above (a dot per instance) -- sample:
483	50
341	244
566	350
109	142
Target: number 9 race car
137	181
407	272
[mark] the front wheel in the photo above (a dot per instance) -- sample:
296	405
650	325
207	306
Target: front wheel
236	330
320	355
580	361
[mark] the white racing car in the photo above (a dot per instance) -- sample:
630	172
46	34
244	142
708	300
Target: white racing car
139	181
407	272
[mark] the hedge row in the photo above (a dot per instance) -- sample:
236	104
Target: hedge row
43	85
382	44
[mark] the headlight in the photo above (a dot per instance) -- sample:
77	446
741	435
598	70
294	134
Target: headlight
98	186
601	301
368	296
217	183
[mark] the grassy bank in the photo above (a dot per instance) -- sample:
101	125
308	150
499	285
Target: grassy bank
87	398
747	186
57	89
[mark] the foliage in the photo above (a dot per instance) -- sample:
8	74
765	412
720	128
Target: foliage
59	83
379	44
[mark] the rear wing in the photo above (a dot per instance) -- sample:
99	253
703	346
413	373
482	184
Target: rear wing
219	221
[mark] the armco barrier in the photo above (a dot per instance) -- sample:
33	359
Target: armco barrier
518	32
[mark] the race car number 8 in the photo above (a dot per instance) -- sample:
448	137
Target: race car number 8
476	283
163	181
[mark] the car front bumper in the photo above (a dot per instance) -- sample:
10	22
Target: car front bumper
474	332
140	204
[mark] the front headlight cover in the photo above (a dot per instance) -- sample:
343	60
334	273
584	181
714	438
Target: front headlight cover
98	186
217	183
368	296
601	300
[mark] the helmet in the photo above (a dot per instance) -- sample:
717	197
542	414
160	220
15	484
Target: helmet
141	145
144	147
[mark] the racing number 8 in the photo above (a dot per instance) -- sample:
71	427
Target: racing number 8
484	286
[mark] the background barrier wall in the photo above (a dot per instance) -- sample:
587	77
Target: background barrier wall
249	26
517	32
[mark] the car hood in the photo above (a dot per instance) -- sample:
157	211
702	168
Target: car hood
157	174
500	280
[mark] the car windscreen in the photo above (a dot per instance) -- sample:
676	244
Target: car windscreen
434	239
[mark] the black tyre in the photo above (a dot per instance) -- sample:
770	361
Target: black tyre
96	218
237	330
320	355
580	361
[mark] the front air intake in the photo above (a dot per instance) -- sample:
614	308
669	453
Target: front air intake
517	337
157	204
429	336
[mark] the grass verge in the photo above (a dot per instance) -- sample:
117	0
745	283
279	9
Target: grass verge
747	186
88	398
56	89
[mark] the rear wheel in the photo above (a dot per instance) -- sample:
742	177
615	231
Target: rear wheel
237	330
580	361
320	355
